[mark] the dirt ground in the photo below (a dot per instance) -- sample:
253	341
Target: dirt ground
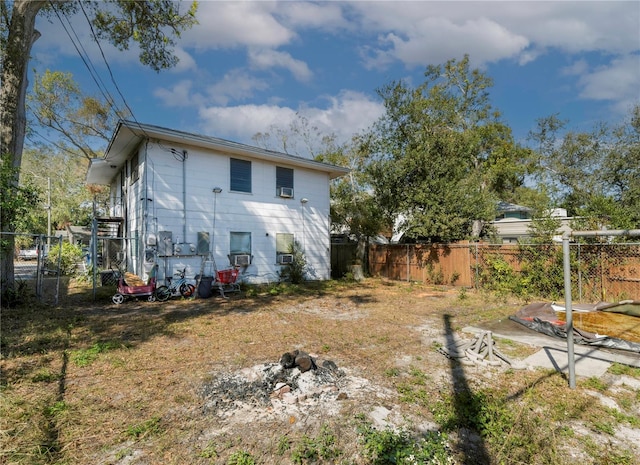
199	381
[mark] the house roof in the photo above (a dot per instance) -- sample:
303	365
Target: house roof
504	207
129	135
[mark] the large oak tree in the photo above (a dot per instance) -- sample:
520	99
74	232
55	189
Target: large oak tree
440	155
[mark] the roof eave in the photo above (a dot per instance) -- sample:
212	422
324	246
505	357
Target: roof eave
128	135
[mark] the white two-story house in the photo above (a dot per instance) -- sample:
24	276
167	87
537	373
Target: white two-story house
187	200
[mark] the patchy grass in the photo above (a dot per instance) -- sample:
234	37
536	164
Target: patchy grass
91	382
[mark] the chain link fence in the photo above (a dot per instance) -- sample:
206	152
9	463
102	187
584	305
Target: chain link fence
42	265
599	271
36	266
111	260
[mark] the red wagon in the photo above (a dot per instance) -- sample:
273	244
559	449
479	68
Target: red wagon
126	290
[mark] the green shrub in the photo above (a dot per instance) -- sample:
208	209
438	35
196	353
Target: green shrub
387	447
295	271
144	429
498	275
69	255
311	450
15	295
542	272
241	458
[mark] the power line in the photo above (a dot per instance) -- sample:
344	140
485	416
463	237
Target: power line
85	59
113	80
104	58
95	75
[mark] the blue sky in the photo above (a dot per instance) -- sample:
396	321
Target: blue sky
250	67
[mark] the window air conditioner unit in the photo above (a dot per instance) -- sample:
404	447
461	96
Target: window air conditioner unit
241	260
286	259
286	192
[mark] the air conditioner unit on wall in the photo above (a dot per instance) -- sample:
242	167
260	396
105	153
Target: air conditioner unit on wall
241	260
286	192
285	259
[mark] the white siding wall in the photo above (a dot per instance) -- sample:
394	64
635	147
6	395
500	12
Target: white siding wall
261	212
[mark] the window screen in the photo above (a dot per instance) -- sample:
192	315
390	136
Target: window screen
135	168
240	175
283	243
240	243
284	177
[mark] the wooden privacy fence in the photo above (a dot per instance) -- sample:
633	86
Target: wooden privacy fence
343	256
600	271
431	263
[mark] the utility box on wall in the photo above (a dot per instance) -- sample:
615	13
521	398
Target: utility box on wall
184	248
165	243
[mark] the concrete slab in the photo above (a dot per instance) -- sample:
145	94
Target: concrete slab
558	359
589	360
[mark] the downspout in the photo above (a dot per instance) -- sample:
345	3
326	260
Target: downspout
184	196
145	209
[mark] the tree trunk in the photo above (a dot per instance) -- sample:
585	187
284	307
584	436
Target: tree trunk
361	253
21	35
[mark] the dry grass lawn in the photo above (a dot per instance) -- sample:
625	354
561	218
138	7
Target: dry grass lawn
90	382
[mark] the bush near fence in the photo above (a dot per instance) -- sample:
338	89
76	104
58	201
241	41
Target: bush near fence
600	272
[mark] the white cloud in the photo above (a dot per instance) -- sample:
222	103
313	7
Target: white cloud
241	122
584	26
185	61
235	85
617	82
267	59
347	114
421	33
323	15
179	95
258	44
435	40
237	24
577	68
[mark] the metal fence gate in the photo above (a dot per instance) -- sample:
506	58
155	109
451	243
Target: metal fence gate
36	265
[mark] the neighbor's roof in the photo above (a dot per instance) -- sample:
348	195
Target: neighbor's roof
505	207
129	135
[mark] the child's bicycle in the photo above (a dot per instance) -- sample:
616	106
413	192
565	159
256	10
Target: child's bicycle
178	287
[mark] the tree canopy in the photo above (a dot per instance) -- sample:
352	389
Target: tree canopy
440	155
594	175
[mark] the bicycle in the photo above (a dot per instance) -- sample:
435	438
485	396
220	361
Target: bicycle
177	287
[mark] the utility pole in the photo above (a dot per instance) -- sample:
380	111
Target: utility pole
48	207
